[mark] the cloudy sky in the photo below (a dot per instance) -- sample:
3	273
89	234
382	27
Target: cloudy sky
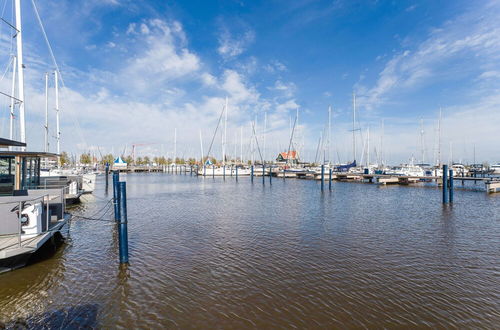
136	70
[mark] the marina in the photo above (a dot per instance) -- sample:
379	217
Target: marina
249	165
269	256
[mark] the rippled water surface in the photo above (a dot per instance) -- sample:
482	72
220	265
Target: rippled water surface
208	253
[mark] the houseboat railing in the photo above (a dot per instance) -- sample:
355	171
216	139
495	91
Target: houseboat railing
45	201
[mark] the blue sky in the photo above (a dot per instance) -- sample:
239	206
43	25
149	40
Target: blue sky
134	71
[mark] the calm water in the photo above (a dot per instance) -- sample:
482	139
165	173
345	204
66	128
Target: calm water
206	253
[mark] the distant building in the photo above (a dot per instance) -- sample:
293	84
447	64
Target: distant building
291	157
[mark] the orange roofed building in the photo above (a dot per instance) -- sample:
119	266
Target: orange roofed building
292	157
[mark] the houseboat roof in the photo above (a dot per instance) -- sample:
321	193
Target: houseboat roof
11	143
28	154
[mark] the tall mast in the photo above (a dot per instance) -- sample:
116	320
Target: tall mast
20	65
422	142
58	129
297	127
46	112
329	133
12	99
382	144
201	146
224	137
241	144
368	149
439	138
264	137
354	126
175	145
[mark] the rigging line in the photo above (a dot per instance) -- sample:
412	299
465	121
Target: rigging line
215	133
7	68
6	22
291	139
56	65
257	141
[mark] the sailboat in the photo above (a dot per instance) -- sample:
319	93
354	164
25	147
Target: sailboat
210	169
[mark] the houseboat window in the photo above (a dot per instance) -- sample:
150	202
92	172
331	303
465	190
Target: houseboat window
7	175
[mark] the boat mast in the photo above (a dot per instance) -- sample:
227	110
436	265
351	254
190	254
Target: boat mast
201	146
20	65
353	126
224	137
58	129
368	149
264	137
12	99
175	145
329	133
46	112
439	138
241	144
422	141
382	144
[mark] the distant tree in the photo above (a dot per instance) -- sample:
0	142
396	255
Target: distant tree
85	158
128	160
138	161
146	160
191	161
64	158
107	159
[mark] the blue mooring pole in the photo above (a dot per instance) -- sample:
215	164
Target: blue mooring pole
107	174
213	171
224	172
236	173
330	179
270	175
204	170
263	174
251	173
123	232
322	177
116	194
451	186
445	184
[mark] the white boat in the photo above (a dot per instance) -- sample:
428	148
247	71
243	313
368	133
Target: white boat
407	170
459	170
495	168
221	171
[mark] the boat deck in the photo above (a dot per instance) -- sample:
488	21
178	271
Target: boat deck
11	246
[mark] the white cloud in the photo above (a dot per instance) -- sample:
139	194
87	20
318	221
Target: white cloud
165	56
231	46
474	35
